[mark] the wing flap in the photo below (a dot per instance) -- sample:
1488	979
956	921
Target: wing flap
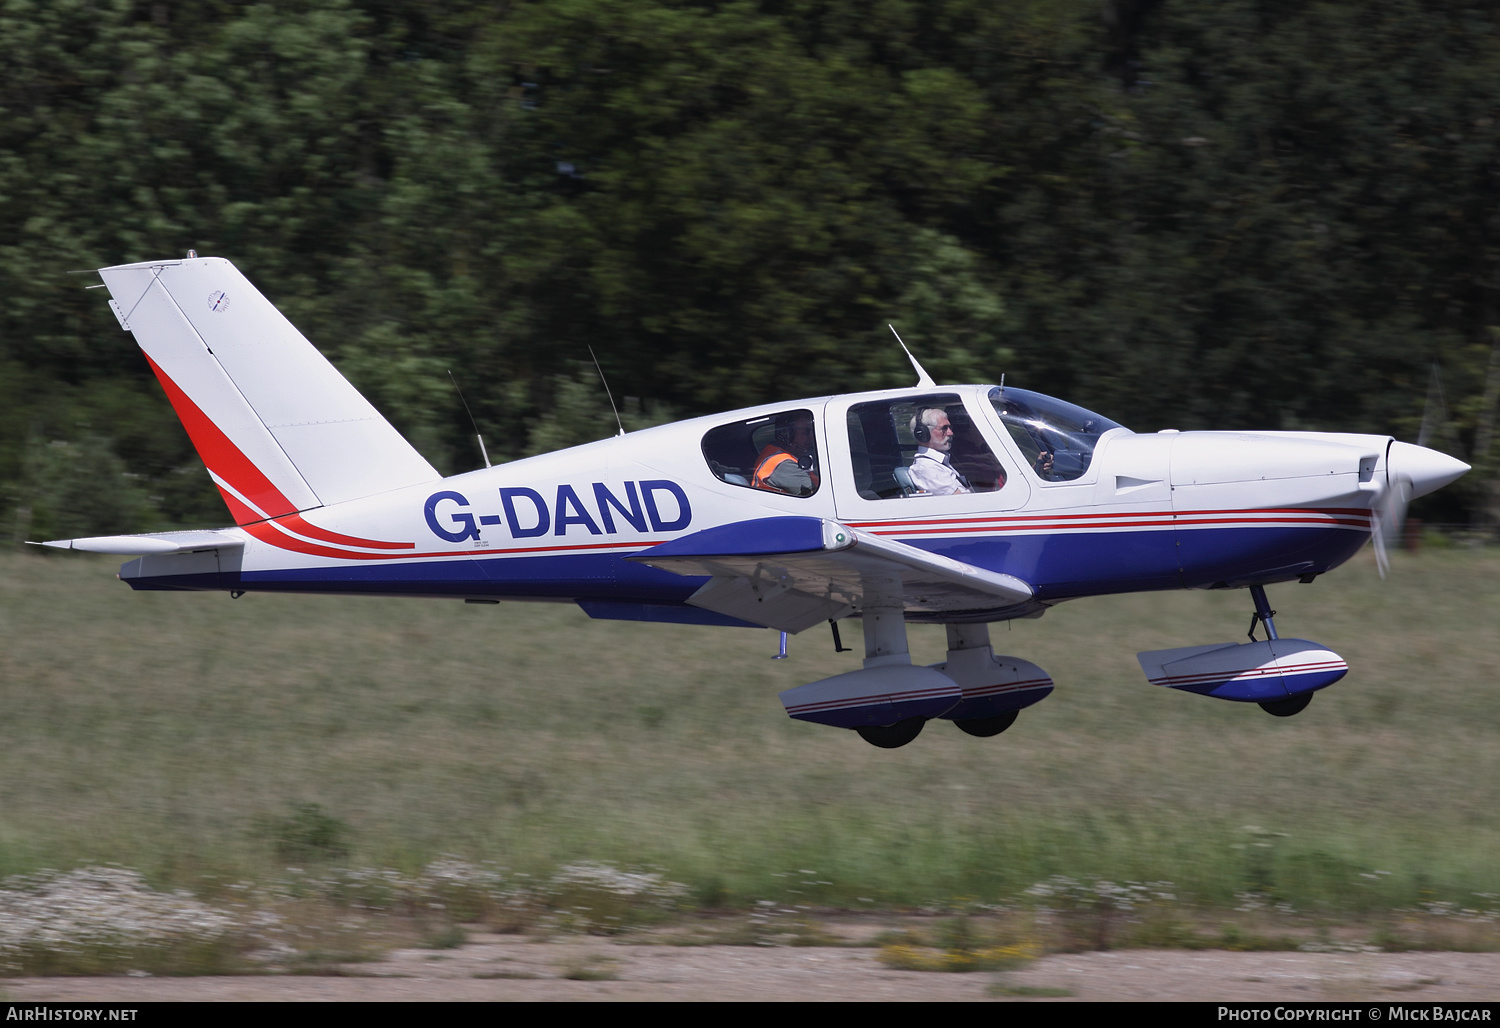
792	573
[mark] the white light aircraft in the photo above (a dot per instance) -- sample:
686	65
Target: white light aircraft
960	505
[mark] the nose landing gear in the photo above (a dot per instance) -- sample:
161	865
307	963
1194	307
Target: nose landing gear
1287	707
1292	705
1279	675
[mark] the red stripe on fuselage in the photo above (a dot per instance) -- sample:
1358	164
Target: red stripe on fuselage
1020	523
297	523
1107	516
273	533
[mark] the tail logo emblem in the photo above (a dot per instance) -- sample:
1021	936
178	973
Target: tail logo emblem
218	301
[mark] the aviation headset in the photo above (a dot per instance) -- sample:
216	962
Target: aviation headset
920	430
786	426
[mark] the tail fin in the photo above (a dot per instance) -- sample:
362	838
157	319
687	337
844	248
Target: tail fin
278	427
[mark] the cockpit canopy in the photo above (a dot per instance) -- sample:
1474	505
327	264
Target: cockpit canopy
1057	438
896	442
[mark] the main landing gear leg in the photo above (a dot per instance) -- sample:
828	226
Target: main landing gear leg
885	643
977	637
1263	614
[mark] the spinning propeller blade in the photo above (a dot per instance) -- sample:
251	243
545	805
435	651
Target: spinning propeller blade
1390	516
1411	471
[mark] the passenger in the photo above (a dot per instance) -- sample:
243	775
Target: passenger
932	469
789	465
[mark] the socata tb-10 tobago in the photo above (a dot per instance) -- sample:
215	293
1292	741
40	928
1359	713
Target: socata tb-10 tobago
961	505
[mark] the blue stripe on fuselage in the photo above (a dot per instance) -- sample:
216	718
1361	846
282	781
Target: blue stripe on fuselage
1058	565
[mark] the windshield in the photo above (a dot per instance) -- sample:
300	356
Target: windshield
1057	438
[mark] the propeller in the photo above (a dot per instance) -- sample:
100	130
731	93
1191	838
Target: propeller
1412	471
1435	410
1389	517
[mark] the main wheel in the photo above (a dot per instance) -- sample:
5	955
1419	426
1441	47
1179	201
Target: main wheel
889	737
1287	707
984	727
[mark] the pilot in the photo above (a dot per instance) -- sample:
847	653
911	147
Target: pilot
932	469
789	465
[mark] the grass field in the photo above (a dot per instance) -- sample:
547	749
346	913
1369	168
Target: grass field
200	739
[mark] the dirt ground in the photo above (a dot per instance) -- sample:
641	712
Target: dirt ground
509	967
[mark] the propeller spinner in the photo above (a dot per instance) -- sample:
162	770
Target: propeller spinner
1410	471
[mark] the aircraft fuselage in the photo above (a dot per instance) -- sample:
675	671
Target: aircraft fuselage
1148	512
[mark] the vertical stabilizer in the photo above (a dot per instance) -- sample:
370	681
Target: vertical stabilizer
278	427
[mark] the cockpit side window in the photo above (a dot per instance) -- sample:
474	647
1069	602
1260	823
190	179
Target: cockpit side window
776	453
1057	438
888	455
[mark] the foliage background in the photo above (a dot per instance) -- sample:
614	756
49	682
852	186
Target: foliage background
1236	214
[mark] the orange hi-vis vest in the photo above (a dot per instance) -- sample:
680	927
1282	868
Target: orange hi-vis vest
771	458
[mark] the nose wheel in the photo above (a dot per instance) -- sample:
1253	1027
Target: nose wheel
1288	707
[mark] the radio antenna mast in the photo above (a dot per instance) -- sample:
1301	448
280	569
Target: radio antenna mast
607	393
482	451
923	379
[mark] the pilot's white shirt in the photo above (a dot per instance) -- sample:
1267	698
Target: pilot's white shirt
931	473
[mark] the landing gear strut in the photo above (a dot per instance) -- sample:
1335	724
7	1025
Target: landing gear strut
1278	674
890	699
971	664
1263	614
1292	705
885	645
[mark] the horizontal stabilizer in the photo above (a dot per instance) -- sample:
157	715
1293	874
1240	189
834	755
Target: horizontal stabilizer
154	544
791	573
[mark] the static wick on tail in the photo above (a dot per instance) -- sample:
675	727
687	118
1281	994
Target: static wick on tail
923	379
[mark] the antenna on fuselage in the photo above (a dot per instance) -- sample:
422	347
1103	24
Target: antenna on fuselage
482	451
923	379
607	393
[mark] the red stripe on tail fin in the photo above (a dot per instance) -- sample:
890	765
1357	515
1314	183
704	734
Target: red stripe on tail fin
225	460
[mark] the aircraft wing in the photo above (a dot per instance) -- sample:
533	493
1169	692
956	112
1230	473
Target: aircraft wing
154	544
791	573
